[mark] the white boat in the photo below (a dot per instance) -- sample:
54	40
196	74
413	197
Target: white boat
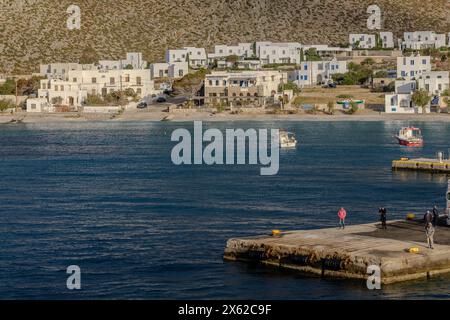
410	137
287	139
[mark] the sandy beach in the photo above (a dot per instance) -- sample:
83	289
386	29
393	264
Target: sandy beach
192	115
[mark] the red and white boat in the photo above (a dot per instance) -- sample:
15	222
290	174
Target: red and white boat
410	137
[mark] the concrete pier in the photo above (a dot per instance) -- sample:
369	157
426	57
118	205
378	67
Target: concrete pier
347	253
422	164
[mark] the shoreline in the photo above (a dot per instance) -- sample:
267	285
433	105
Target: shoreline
193	115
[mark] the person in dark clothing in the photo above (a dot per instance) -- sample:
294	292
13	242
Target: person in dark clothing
435	216
428	217
383	217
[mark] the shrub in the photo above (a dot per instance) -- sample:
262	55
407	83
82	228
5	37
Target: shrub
5	105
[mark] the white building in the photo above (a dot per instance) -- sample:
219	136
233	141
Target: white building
423	39
39	105
278	53
317	72
435	82
324	50
174	70
242	50
57	92
362	40
249	64
240	87
413	66
387	40
61	70
133	60
369	41
196	57
401	100
107	81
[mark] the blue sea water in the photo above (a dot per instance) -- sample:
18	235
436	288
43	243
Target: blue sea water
105	196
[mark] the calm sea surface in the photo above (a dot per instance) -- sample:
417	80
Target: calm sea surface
106	197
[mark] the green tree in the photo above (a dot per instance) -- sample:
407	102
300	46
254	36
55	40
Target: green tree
8	88
353	107
5	105
421	98
289	86
312	55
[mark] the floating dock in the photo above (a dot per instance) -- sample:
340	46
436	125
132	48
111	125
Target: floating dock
348	253
422	164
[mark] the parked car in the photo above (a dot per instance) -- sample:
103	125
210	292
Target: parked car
142	105
161	100
331	85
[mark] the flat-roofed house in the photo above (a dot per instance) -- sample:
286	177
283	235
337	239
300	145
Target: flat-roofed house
58	92
401	100
387	40
196	57
435	82
239	88
278	53
102	82
133	60
423	39
317	72
413	67
362	40
174	70
242	50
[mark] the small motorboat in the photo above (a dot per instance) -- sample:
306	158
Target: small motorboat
410	137
287	139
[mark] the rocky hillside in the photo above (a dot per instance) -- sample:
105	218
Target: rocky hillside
34	31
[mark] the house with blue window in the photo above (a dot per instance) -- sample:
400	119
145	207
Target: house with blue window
317	72
413	67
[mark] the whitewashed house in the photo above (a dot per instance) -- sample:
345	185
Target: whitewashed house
387	40
61	70
241	88
196	57
133	60
362	40
174	70
103	82
317	72
423	39
324	50
401	100
278	53
412	67
242	50
39	105
57	92
435	82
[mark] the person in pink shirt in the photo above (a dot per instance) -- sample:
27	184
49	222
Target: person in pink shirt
342	214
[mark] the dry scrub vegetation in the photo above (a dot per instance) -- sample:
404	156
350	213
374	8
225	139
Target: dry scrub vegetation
36	31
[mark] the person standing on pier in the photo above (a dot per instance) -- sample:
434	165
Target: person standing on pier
430	234
383	217
435	215
428	217
342	214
